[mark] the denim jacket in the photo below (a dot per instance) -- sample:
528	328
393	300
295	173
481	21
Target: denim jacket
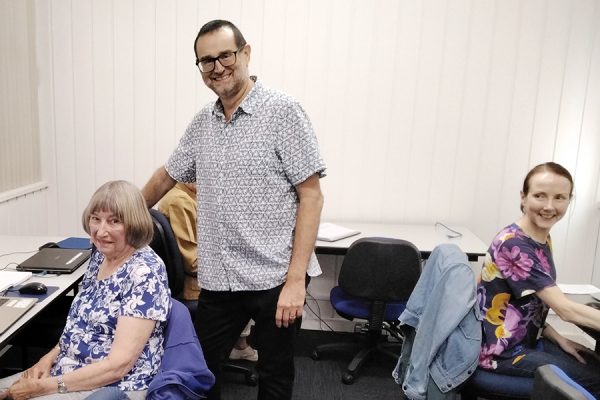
443	311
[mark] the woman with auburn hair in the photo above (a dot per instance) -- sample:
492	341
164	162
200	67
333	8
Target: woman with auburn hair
518	286
115	328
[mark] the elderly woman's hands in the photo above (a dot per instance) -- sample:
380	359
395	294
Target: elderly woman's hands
26	388
4	394
41	369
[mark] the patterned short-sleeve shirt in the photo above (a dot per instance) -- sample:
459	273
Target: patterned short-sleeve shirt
138	289
515	268
246	171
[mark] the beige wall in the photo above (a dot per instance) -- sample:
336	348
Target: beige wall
425	110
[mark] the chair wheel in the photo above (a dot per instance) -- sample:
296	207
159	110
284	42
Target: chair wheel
348	378
315	355
251	379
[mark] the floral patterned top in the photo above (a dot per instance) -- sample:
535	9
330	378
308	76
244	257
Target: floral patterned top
137	289
515	267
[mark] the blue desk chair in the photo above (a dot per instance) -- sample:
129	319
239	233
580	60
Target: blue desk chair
376	279
493	386
551	383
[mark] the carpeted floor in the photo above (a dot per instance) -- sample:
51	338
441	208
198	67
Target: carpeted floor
322	379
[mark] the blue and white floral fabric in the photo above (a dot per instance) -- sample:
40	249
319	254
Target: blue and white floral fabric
138	289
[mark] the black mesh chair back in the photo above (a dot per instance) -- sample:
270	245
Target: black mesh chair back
165	245
382	269
376	279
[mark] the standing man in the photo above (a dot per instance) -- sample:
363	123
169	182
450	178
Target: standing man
256	162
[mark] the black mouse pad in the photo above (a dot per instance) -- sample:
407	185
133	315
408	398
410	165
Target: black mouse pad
14	292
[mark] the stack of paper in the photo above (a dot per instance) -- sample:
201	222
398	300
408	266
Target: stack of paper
578	289
329	232
12	278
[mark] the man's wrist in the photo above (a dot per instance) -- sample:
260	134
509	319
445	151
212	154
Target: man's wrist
295	277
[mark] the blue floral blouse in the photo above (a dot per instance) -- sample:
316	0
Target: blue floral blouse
138	289
515	268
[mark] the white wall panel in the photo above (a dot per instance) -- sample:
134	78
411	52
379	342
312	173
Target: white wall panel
426	111
124	90
471	157
63	97
85	110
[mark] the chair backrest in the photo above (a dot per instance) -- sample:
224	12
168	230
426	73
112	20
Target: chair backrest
381	269
165	245
551	383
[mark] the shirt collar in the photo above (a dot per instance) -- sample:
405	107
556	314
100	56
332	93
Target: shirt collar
248	105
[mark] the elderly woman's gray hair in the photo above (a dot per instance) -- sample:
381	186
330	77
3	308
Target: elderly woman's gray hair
126	202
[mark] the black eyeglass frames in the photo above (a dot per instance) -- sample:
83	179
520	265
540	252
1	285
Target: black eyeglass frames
226	59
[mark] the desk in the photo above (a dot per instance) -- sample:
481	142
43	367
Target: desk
425	237
24	247
584	299
330	254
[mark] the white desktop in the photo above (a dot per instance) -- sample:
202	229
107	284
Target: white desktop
15	249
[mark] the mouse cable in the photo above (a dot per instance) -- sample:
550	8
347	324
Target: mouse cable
18	252
453	235
5	268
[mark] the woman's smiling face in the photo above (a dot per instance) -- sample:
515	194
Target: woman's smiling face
545	203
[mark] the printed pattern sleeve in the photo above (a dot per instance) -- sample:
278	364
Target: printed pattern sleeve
297	145
181	165
145	295
525	267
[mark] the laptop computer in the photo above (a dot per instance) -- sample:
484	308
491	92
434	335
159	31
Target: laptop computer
55	260
13	308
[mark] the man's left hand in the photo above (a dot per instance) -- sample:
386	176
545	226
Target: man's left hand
290	304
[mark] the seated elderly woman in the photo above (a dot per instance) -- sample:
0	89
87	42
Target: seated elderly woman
115	327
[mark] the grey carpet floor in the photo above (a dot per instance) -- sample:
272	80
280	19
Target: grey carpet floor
322	379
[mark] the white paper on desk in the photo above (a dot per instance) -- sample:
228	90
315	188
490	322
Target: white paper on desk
578	289
329	232
12	278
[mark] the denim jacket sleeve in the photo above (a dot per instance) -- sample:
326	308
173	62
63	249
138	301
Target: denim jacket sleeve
443	297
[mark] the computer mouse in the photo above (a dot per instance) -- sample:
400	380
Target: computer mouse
49	245
33	288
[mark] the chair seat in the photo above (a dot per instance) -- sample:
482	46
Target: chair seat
497	386
350	307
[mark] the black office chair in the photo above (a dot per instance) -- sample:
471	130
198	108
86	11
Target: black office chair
165	245
551	383
376	279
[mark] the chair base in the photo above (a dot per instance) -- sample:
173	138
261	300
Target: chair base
250	375
375	344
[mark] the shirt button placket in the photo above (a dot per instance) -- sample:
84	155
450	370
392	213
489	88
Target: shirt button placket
221	194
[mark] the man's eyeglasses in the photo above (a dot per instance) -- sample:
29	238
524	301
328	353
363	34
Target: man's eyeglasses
226	59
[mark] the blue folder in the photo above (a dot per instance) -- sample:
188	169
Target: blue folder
75	243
